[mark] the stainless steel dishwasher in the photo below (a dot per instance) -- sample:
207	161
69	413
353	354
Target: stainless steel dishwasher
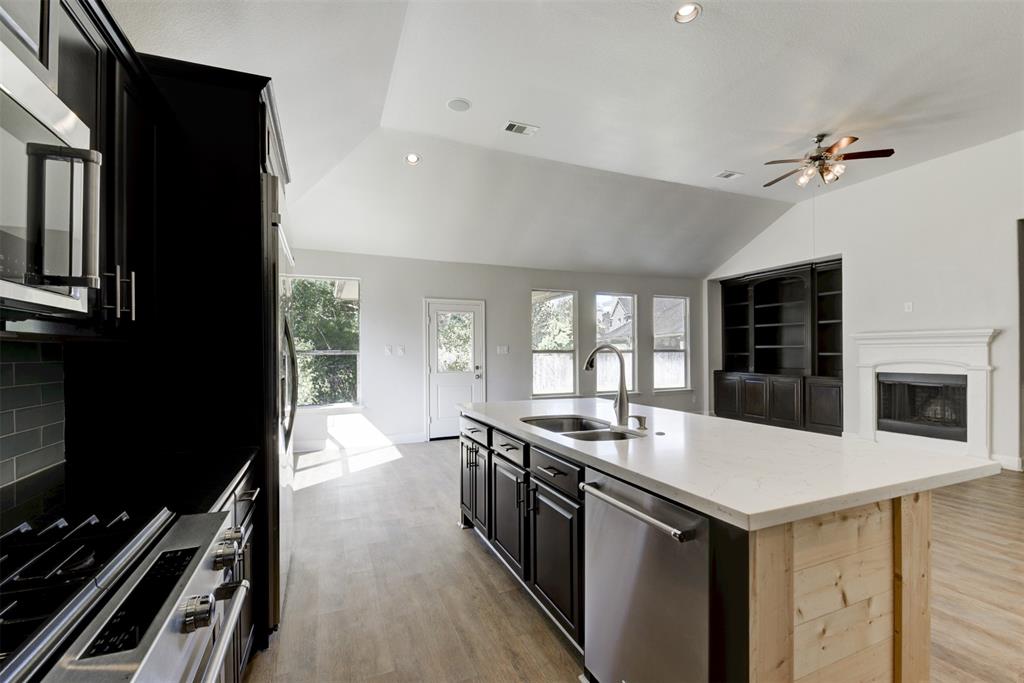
646	566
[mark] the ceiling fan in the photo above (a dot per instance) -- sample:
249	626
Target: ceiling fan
825	161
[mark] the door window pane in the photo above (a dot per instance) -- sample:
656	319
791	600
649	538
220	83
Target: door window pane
616	325
454	341
553	330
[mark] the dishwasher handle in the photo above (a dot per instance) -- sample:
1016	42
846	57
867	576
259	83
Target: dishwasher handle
681	535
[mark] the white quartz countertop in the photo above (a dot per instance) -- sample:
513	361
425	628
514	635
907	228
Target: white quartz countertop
753	476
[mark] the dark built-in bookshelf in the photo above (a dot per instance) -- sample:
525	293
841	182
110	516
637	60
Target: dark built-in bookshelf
782	348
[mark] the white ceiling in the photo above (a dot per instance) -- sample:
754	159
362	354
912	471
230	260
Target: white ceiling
626	99
477	205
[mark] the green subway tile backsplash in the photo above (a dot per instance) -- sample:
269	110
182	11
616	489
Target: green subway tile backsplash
31	408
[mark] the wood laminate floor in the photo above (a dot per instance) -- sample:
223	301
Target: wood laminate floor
978	581
385	587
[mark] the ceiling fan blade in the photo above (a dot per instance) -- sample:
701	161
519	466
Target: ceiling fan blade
785	161
870	154
840	143
783	177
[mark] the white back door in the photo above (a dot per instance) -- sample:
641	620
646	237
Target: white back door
455	362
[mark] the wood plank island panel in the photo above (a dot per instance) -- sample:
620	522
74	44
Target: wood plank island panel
854	588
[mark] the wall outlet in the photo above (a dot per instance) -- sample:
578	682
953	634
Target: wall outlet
908	307
503	349
387	349
401	350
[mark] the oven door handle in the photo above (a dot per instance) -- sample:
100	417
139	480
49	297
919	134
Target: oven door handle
224	639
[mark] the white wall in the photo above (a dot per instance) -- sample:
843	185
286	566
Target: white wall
391	305
942	235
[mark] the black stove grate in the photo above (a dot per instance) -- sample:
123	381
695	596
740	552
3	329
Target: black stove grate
44	564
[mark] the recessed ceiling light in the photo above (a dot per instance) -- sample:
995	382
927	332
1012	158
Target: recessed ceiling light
459	104
412	158
688	12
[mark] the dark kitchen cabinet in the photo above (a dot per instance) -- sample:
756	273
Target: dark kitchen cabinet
785	401
555	555
727	394
780	329
824	405
754	402
473	485
29	29
508	513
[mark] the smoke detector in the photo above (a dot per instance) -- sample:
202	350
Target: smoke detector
728	175
521	128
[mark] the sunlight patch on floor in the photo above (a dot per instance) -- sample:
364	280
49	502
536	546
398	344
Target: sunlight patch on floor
353	445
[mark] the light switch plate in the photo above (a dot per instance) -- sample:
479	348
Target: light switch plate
503	349
401	350
908	307
387	349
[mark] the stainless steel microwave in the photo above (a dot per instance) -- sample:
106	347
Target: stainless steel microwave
49	198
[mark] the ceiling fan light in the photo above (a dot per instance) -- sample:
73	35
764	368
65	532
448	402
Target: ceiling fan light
828	176
803	179
838	169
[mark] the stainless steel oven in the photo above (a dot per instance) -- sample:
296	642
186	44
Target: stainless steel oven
49	198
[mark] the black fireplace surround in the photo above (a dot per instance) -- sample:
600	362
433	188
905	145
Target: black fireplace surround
923	405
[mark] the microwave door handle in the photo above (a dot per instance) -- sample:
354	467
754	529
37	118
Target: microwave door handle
91	160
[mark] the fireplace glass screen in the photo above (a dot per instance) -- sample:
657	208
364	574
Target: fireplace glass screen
923	405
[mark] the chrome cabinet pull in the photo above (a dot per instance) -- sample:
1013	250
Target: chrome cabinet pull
531	507
681	535
551	471
133	295
117	291
508	447
519	494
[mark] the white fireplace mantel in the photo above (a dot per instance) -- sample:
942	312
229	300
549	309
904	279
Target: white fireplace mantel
934	352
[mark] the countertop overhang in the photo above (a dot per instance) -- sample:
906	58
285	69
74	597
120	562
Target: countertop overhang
749	475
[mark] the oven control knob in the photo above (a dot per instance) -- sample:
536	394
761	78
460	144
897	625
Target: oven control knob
225	555
232	534
199	612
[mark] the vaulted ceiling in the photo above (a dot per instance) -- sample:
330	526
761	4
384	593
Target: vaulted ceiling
636	114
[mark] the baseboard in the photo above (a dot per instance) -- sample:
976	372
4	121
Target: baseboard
410	437
1009	462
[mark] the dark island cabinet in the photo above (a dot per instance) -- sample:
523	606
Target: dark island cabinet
555	555
473	485
508	513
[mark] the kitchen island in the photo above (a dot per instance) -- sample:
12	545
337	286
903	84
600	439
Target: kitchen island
819	546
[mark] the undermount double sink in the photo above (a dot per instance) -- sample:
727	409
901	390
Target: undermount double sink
580	428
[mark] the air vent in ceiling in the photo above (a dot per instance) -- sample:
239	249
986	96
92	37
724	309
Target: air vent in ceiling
728	175
521	128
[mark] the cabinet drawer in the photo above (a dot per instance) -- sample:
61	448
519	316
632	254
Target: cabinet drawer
553	471
511	449
474	430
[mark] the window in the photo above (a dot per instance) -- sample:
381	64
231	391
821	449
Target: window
324	317
553	327
670	316
616	325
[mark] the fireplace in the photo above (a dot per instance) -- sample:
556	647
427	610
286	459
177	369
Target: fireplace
923	404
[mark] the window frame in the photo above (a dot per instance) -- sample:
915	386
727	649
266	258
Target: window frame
685	351
575	342
635	389
358	402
